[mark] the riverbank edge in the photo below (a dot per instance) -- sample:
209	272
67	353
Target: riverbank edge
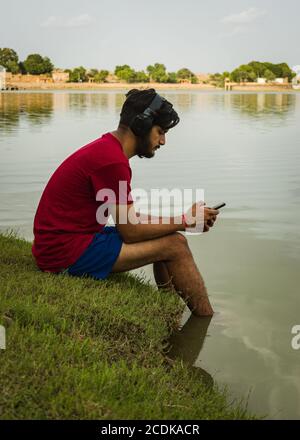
84	349
158	86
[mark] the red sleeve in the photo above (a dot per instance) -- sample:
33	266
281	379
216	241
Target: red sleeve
113	180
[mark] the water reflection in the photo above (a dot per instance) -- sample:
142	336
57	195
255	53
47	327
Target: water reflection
38	107
262	105
186	343
242	149
257	105
33	108
81	103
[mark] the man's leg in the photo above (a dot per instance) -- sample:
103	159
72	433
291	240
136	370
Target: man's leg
174	251
162	276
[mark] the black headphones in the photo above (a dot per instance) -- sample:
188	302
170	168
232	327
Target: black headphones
143	122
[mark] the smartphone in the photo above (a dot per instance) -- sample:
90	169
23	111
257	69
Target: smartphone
220	205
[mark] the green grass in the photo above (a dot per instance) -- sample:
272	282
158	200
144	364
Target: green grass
84	349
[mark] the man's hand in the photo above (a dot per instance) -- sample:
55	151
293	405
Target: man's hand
199	213
209	224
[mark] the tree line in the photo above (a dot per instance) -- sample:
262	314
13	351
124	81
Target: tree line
253	70
36	64
154	73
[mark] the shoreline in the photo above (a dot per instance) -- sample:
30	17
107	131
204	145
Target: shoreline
32	86
104	341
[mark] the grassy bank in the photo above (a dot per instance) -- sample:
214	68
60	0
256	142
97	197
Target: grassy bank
79	348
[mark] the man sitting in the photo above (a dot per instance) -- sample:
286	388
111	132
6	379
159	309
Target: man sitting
69	233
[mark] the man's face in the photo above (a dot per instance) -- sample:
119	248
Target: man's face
148	144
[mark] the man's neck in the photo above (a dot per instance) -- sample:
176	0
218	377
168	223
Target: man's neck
127	140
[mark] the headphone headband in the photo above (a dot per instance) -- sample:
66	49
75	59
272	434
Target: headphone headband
154	106
142	123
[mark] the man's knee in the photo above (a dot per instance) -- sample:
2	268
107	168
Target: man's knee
181	238
178	244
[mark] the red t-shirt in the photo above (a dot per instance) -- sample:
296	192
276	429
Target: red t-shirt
65	221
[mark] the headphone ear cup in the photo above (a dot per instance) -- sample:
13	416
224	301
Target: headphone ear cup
143	122
147	124
141	125
137	126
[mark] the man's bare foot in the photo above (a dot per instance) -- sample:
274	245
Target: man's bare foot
204	308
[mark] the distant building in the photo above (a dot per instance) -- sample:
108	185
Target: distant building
281	80
2	78
202	77
296	79
276	80
59	76
111	78
185	80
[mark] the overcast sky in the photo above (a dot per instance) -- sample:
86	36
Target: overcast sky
203	36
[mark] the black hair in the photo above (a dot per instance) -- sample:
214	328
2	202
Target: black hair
138	100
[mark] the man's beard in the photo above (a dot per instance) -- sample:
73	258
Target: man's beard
143	147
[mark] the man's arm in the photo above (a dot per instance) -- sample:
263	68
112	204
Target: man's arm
134	228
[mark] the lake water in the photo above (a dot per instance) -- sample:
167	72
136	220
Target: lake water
243	149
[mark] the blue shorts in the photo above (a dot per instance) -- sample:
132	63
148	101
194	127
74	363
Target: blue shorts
100	256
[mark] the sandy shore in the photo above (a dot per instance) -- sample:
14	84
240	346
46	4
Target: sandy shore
105	86
158	86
